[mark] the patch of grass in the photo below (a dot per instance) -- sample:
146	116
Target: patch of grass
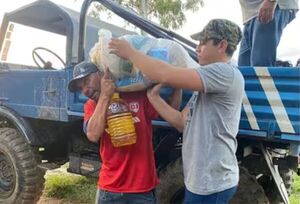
295	197
70	187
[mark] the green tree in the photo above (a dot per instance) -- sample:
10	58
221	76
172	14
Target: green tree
169	13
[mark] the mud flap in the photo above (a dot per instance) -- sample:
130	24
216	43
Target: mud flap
84	165
276	176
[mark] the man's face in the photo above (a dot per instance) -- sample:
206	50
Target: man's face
207	52
90	86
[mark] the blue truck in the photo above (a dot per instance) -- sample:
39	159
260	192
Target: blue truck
41	121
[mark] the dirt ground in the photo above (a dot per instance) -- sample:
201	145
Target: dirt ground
45	200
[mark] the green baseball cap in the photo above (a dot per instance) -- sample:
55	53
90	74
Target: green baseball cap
221	29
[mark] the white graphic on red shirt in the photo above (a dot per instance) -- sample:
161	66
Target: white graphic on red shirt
136	119
134	107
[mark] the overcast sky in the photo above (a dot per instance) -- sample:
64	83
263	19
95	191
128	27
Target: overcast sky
289	47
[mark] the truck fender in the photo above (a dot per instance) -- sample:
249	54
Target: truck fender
163	149
20	124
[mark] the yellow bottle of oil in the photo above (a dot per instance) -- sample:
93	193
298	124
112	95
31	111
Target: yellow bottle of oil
120	122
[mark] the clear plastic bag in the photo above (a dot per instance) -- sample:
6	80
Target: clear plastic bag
101	56
128	77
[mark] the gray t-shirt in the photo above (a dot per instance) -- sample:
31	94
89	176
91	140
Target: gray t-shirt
209	136
250	8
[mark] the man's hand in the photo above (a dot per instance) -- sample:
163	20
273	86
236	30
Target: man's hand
266	11
107	85
121	48
154	91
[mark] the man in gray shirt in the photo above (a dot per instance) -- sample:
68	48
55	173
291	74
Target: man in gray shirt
264	22
210	121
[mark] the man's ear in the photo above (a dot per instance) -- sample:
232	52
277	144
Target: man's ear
100	73
223	45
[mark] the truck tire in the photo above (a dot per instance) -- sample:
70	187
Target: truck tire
21	181
288	180
249	191
171	187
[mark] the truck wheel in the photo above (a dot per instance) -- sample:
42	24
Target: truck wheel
288	180
272	191
21	181
249	191
171	187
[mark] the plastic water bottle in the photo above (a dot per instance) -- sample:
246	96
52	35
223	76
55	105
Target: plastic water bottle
120	122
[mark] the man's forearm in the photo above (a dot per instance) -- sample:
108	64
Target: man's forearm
97	122
175	98
146	65
174	117
157	70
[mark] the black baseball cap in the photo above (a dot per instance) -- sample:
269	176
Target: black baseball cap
80	71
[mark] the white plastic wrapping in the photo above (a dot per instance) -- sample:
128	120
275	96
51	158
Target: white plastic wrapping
128	77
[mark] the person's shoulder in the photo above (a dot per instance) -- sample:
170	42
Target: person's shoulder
90	102
89	106
218	66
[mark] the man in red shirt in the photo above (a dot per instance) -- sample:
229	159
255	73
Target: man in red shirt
128	174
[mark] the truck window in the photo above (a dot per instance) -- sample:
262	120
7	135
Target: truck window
21	40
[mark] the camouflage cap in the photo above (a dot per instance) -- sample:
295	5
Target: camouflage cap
221	29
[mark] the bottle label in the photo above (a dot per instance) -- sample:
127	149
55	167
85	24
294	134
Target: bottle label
117	108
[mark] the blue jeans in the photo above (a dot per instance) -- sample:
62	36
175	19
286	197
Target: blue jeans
259	42
106	197
222	197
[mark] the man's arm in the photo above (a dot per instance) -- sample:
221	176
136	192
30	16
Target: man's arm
97	122
175	99
158	70
174	117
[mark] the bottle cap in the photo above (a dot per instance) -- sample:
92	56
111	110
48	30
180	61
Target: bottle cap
115	96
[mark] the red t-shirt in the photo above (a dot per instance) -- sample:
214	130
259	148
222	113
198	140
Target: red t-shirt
129	169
